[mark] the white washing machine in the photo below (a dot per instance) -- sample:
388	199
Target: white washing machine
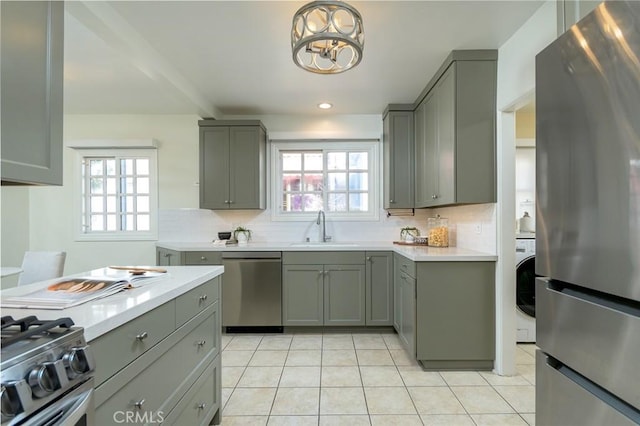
525	289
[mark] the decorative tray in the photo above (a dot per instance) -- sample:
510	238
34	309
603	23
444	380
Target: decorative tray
407	243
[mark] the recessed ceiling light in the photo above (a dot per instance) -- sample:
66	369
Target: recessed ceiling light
325	105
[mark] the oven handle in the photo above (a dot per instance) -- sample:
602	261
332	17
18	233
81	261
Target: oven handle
78	410
68	410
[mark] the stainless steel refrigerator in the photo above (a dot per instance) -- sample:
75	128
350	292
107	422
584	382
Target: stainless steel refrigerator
588	221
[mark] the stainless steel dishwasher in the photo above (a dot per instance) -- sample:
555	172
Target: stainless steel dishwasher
252	292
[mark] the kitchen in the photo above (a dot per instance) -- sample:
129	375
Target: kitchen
178	201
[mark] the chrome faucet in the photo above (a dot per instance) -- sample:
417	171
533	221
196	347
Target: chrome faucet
325	237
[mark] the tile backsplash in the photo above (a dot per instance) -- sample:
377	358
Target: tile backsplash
472	227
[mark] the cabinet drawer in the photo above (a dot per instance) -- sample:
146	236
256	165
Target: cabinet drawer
114	350
323	257
194	301
201	402
405	265
203	258
160	380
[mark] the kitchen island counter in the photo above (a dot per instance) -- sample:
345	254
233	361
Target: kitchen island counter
103	315
415	253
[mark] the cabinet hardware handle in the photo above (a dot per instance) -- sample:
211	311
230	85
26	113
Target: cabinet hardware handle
203	258
391	201
203	297
201	406
138	404
201	343
230	201
320	272
368	258
167	255
142	336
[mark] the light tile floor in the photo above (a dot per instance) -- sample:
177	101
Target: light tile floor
362	379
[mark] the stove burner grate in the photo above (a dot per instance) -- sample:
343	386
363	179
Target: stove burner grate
21	329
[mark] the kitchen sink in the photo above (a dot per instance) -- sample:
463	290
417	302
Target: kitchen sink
324	245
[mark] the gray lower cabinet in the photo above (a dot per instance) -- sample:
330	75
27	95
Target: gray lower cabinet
32	55
167	257
444	312
379	291
455	132
303	294
165	364
404	284
398	155
455	315
323	288
232	164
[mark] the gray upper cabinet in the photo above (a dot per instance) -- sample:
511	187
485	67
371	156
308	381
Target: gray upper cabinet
32	83
379	291
455	132
397	139
232	164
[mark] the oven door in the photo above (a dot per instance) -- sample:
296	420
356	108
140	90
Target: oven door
75	408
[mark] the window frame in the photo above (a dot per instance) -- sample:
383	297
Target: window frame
371	146
81	200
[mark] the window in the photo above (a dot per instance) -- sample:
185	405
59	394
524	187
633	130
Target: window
118	194
337	177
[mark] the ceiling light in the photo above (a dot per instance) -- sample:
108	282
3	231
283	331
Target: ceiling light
325	105
327	37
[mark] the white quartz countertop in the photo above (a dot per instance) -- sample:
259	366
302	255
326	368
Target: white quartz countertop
415	253
103	315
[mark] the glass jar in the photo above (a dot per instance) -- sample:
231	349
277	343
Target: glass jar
438	231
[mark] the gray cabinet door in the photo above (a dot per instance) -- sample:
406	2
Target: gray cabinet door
232	166
32	85
455	133
397	301
247	189
302	294
214	167
379	288
430	162
455	313
166	257
408	315
398	146
422	166
344	295
445	143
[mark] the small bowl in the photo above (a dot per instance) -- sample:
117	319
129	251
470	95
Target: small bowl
224	235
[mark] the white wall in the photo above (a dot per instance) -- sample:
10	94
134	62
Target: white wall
14	228
516	86
51	212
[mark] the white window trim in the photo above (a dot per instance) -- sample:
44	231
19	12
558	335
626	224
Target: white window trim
124	151
370	145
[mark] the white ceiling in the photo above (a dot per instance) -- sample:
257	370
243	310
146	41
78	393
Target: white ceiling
216	58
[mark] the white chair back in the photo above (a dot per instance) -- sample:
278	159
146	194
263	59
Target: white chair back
41	265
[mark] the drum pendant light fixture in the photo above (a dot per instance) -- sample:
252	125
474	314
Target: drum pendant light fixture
327	37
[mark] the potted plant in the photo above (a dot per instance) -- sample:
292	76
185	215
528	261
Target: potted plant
408	233
241	235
